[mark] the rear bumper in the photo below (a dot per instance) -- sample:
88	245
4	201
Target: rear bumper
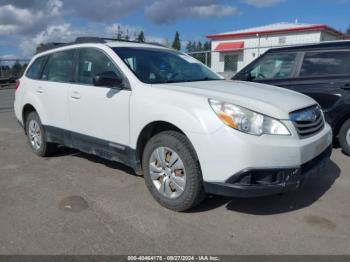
262	182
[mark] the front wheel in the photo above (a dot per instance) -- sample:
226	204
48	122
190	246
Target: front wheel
344	137
171	170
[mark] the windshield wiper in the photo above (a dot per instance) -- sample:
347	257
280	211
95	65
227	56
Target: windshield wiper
174	81
191	80
203	79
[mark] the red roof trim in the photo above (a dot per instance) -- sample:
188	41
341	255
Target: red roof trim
229	46
273	31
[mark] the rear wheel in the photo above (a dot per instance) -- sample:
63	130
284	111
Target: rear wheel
171	171
37	137
344	137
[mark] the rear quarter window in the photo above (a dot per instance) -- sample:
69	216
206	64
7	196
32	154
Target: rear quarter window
34	72
325	64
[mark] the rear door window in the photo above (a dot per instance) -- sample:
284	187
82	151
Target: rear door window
274	66
325	64
59	67
34	72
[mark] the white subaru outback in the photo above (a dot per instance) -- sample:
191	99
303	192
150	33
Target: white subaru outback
171	119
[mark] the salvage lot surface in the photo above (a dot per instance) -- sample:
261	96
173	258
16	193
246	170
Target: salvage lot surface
38	216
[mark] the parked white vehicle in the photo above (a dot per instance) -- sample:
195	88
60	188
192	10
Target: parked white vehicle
172	119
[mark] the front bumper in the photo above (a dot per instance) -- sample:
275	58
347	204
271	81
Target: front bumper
227	151
262	182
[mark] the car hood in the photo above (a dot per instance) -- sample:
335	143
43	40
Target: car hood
269	100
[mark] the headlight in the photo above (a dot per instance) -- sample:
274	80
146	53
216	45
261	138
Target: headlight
247	121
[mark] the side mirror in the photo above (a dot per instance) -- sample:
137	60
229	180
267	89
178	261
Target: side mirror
245	76
107	79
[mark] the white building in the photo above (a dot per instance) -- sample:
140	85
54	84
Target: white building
234	50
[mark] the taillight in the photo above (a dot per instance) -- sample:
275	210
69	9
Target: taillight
17	84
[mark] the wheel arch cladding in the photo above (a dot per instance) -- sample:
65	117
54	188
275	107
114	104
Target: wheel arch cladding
27	109
151	130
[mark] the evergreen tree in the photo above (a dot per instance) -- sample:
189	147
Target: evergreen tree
199	46
166	42
119	33
189	47
141	37
176	43
127	35
39	48
348	31
16	68
194	46
24	66
207	46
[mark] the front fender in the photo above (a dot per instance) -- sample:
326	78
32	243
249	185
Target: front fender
189	113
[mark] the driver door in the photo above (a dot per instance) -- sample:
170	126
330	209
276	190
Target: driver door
274	68
99	116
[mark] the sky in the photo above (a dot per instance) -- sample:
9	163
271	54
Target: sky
26	23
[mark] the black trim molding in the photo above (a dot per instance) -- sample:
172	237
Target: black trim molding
92	145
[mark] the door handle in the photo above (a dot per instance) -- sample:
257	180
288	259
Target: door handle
39	90
346	86
75	95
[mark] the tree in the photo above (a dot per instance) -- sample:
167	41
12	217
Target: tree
24	66
176	43
127	37
207	46
141	37
348	31
16	68
199	46
119	35
39	48
166	42
189	47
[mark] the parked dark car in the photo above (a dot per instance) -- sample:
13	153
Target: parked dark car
321	71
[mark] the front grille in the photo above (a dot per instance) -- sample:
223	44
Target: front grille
308	121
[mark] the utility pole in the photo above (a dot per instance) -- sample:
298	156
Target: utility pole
258	35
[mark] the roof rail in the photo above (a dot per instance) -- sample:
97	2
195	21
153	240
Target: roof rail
50	46
92	39
89	39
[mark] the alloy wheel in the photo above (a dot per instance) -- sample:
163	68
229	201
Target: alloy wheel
35	135
348	137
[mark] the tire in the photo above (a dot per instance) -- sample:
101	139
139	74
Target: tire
344	137
33	126
183	187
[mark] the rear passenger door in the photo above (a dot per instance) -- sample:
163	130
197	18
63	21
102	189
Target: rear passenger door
53	88
325	76
99	116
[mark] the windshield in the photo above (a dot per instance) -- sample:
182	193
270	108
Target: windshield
155	66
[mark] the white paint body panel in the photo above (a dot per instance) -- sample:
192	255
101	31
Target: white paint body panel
100	112
48	98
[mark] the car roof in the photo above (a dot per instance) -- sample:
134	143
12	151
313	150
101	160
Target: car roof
133	44
96	41
318	46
